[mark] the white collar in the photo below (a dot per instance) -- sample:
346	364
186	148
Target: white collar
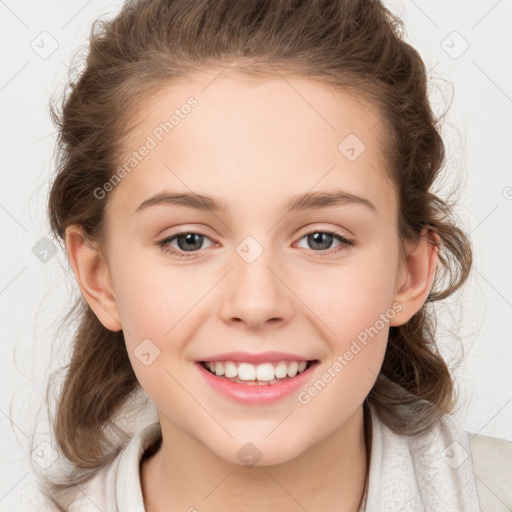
425	473
128	485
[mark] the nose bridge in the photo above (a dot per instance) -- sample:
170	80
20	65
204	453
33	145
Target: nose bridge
255	293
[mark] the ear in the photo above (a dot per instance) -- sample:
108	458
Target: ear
416	275
93	276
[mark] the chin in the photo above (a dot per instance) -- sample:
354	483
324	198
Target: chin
259	452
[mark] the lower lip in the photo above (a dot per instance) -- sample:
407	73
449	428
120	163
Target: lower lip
256	394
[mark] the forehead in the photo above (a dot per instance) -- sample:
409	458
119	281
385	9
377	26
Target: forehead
251	137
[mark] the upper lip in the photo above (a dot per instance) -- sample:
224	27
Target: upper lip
255	358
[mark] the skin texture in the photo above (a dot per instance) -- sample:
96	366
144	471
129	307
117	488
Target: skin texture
253	143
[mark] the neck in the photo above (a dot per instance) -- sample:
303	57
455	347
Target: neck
184	474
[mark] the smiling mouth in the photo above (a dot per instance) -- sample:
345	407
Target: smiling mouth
265	374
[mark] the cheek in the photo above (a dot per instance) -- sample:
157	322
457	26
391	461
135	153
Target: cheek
161	307
355	314
355	305
151	297
154	311
352	298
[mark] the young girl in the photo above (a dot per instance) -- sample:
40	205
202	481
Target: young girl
244	193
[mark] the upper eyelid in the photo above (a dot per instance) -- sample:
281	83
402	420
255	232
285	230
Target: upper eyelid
202	232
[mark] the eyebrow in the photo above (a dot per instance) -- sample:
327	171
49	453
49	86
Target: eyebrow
306	201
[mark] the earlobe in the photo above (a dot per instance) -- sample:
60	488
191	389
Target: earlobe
93	277
416	276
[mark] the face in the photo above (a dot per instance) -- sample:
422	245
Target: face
314	282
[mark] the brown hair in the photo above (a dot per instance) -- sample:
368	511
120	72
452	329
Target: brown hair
354	45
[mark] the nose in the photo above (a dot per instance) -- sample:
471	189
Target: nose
256	292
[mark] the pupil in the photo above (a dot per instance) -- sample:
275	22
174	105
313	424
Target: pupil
189	237
316	240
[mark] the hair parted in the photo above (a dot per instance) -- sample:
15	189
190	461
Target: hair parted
355	46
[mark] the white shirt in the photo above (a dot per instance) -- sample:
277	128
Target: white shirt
428	473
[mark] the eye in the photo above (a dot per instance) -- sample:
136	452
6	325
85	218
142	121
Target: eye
187	241
191	242
320	241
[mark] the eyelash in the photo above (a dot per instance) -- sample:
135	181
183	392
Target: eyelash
346	243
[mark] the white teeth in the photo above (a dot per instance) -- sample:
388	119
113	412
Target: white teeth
293	369
246	371
281	370
264	372
219	369
230	370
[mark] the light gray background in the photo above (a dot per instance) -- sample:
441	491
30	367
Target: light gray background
478	133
